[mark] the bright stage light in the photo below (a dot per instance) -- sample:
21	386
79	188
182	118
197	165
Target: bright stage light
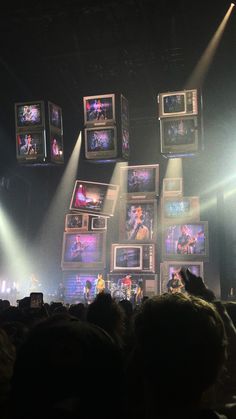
174	168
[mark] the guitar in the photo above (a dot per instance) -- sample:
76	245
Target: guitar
186	248
79	250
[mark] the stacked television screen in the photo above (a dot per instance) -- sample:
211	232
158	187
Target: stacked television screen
181	128
39	132
106	127
185	241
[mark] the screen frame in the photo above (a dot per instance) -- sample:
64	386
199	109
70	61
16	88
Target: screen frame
188	257
164	270
122	220
100	154
180	148
34	158
54	127
85	222
76	265
33	127
103	211
139	195
66	275
95	228
194	213
176	192
115	268
152	266
185	112
103	122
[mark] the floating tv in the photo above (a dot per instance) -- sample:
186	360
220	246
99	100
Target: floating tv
172	187
94	198
180	135
100	143
173	267
180	209
181	103
29	115
99	110
140	182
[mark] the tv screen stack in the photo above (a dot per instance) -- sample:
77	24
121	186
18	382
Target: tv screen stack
106	127
181	128
39	132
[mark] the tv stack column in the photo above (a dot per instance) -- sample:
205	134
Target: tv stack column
39	133
133	266
184	237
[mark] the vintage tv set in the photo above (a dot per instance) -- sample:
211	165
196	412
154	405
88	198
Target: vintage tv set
180	103
100	143
172	187
75	222
55	116
56	147
99	110
180	136
80	286
186	241
98	223
83	250
94	198
29	115
141	285
140	182
133	257
172	267
31	146
180	209
138	220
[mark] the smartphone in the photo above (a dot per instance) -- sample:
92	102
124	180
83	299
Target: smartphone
36	299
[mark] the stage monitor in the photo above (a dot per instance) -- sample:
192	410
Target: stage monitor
172	187
83	251
94	198
138	220
181	103
31	146
99	110
188	241
29	115
140	182
173	267
133	257
180	209
55	116
180	136
100	143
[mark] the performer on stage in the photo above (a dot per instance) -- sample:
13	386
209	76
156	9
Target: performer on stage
87	290
100	284
126	284
34	285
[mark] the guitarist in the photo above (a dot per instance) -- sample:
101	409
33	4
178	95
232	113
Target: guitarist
186	242
175	284
77	249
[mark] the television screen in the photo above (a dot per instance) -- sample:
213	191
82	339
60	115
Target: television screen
99	110
185	208
130	286
173	268
30	146
172	186
133	257
179	135
138	220
56	147
55	115
100	142
178	103
80	287
29	114
140	181
76	222
83	250
189	240
94	198
98	223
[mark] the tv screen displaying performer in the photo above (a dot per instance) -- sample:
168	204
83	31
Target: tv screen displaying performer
175	283
186	239
139	221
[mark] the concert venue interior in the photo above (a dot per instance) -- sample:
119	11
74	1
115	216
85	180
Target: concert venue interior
66	51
